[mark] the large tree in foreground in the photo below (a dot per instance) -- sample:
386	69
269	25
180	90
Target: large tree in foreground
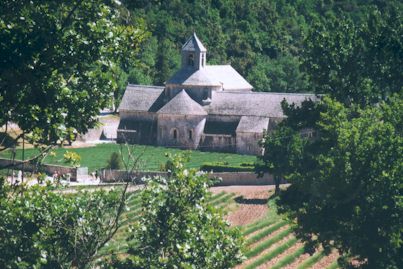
57	63
356	62
40	228
178	228
346	189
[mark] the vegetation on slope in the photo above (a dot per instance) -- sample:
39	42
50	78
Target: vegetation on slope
263	40
277	245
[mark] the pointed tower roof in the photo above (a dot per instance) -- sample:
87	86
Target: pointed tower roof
194	44
182	104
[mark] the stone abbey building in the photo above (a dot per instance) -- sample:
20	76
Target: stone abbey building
207	107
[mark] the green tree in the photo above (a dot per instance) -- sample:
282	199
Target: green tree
282	150
281	74
178	228
114	162
346	189
356	63
41	228
57	63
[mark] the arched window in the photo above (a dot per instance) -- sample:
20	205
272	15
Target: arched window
191	61
175	134
190	134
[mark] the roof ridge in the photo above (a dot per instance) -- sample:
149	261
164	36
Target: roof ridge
144	86
189	106
197	44
267	93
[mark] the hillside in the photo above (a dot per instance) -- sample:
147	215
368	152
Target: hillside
269	238
263	40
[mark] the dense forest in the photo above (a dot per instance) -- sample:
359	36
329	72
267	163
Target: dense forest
264	40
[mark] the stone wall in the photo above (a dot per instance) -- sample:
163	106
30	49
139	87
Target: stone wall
228	178
47	168
183	125
137	128
108	175
218	142
243	178
247	143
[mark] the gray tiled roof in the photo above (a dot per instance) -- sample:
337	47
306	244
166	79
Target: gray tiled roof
142	98
190	77
193	44
228	76
182	104
253	103
252	124
211	75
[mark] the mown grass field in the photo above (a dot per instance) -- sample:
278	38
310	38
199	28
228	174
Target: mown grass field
152	158
270	241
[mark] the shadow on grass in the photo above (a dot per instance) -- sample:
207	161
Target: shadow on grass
7	141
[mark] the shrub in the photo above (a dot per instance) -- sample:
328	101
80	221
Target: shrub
40	228
178	228
72	158
114	162
225	167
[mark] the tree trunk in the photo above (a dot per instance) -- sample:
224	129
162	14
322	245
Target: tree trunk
277	180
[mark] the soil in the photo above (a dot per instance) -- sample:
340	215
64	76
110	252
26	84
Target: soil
251	203
279	257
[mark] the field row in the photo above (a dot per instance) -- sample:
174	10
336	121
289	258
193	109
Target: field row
270	242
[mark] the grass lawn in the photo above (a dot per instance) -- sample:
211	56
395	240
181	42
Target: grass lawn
152	158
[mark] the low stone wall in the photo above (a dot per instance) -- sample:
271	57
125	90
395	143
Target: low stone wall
47	168
228	178
108	175
218	142
243	178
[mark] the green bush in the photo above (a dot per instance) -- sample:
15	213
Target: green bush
178	228
40	228
225	167
114	162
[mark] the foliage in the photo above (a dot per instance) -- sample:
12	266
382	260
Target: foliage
41	228
356	63
346	187
114	162
271	255
72	158
178	228
263	40
225	167
282	150
58	63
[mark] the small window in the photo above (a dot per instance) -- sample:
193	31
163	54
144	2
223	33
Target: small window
161	132
175	134
191	61
190	135
202	60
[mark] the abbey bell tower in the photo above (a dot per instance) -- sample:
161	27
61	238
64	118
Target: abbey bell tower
193	54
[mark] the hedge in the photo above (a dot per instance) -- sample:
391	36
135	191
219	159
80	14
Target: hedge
225	167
